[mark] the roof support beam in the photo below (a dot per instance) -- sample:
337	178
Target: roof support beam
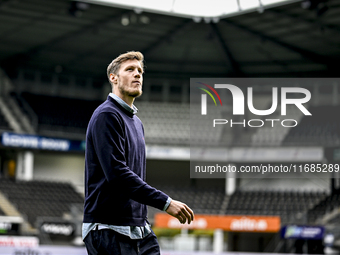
236	71
304	53
167	37
315	22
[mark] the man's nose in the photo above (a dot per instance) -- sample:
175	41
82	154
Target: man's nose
137	74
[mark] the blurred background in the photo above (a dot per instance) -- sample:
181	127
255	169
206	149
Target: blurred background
53	60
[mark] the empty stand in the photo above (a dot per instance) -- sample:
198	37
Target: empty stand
170	123
65	115
325	206
321	129
165	123
273	134
34	199
289	205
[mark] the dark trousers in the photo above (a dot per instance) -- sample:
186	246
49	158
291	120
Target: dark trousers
107	242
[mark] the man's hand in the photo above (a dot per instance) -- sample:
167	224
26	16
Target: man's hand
180	211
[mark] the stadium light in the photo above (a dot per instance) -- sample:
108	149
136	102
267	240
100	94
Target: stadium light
194	9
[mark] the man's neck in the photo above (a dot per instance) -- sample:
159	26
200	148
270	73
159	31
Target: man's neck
127	99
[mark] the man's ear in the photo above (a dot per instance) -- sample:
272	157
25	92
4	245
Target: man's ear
113	78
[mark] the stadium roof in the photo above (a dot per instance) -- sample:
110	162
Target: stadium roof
297	39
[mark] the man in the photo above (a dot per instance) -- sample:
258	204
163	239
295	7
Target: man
116	194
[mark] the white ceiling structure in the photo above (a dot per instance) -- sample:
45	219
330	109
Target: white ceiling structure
213	9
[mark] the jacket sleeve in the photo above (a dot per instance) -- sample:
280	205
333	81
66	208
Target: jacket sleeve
109	143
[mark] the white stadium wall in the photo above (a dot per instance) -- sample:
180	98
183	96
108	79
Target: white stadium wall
60	167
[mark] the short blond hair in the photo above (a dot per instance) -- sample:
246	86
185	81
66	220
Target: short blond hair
114	66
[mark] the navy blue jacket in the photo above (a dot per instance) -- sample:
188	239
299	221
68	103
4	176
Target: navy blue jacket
115	166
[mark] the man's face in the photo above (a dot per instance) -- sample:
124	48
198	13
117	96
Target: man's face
129	79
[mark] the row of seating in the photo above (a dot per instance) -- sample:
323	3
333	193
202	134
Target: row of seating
318	129
291	206
40	198
325	206
53	199
287	204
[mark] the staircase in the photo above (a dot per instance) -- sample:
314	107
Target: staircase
10	211
6	112
7	207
